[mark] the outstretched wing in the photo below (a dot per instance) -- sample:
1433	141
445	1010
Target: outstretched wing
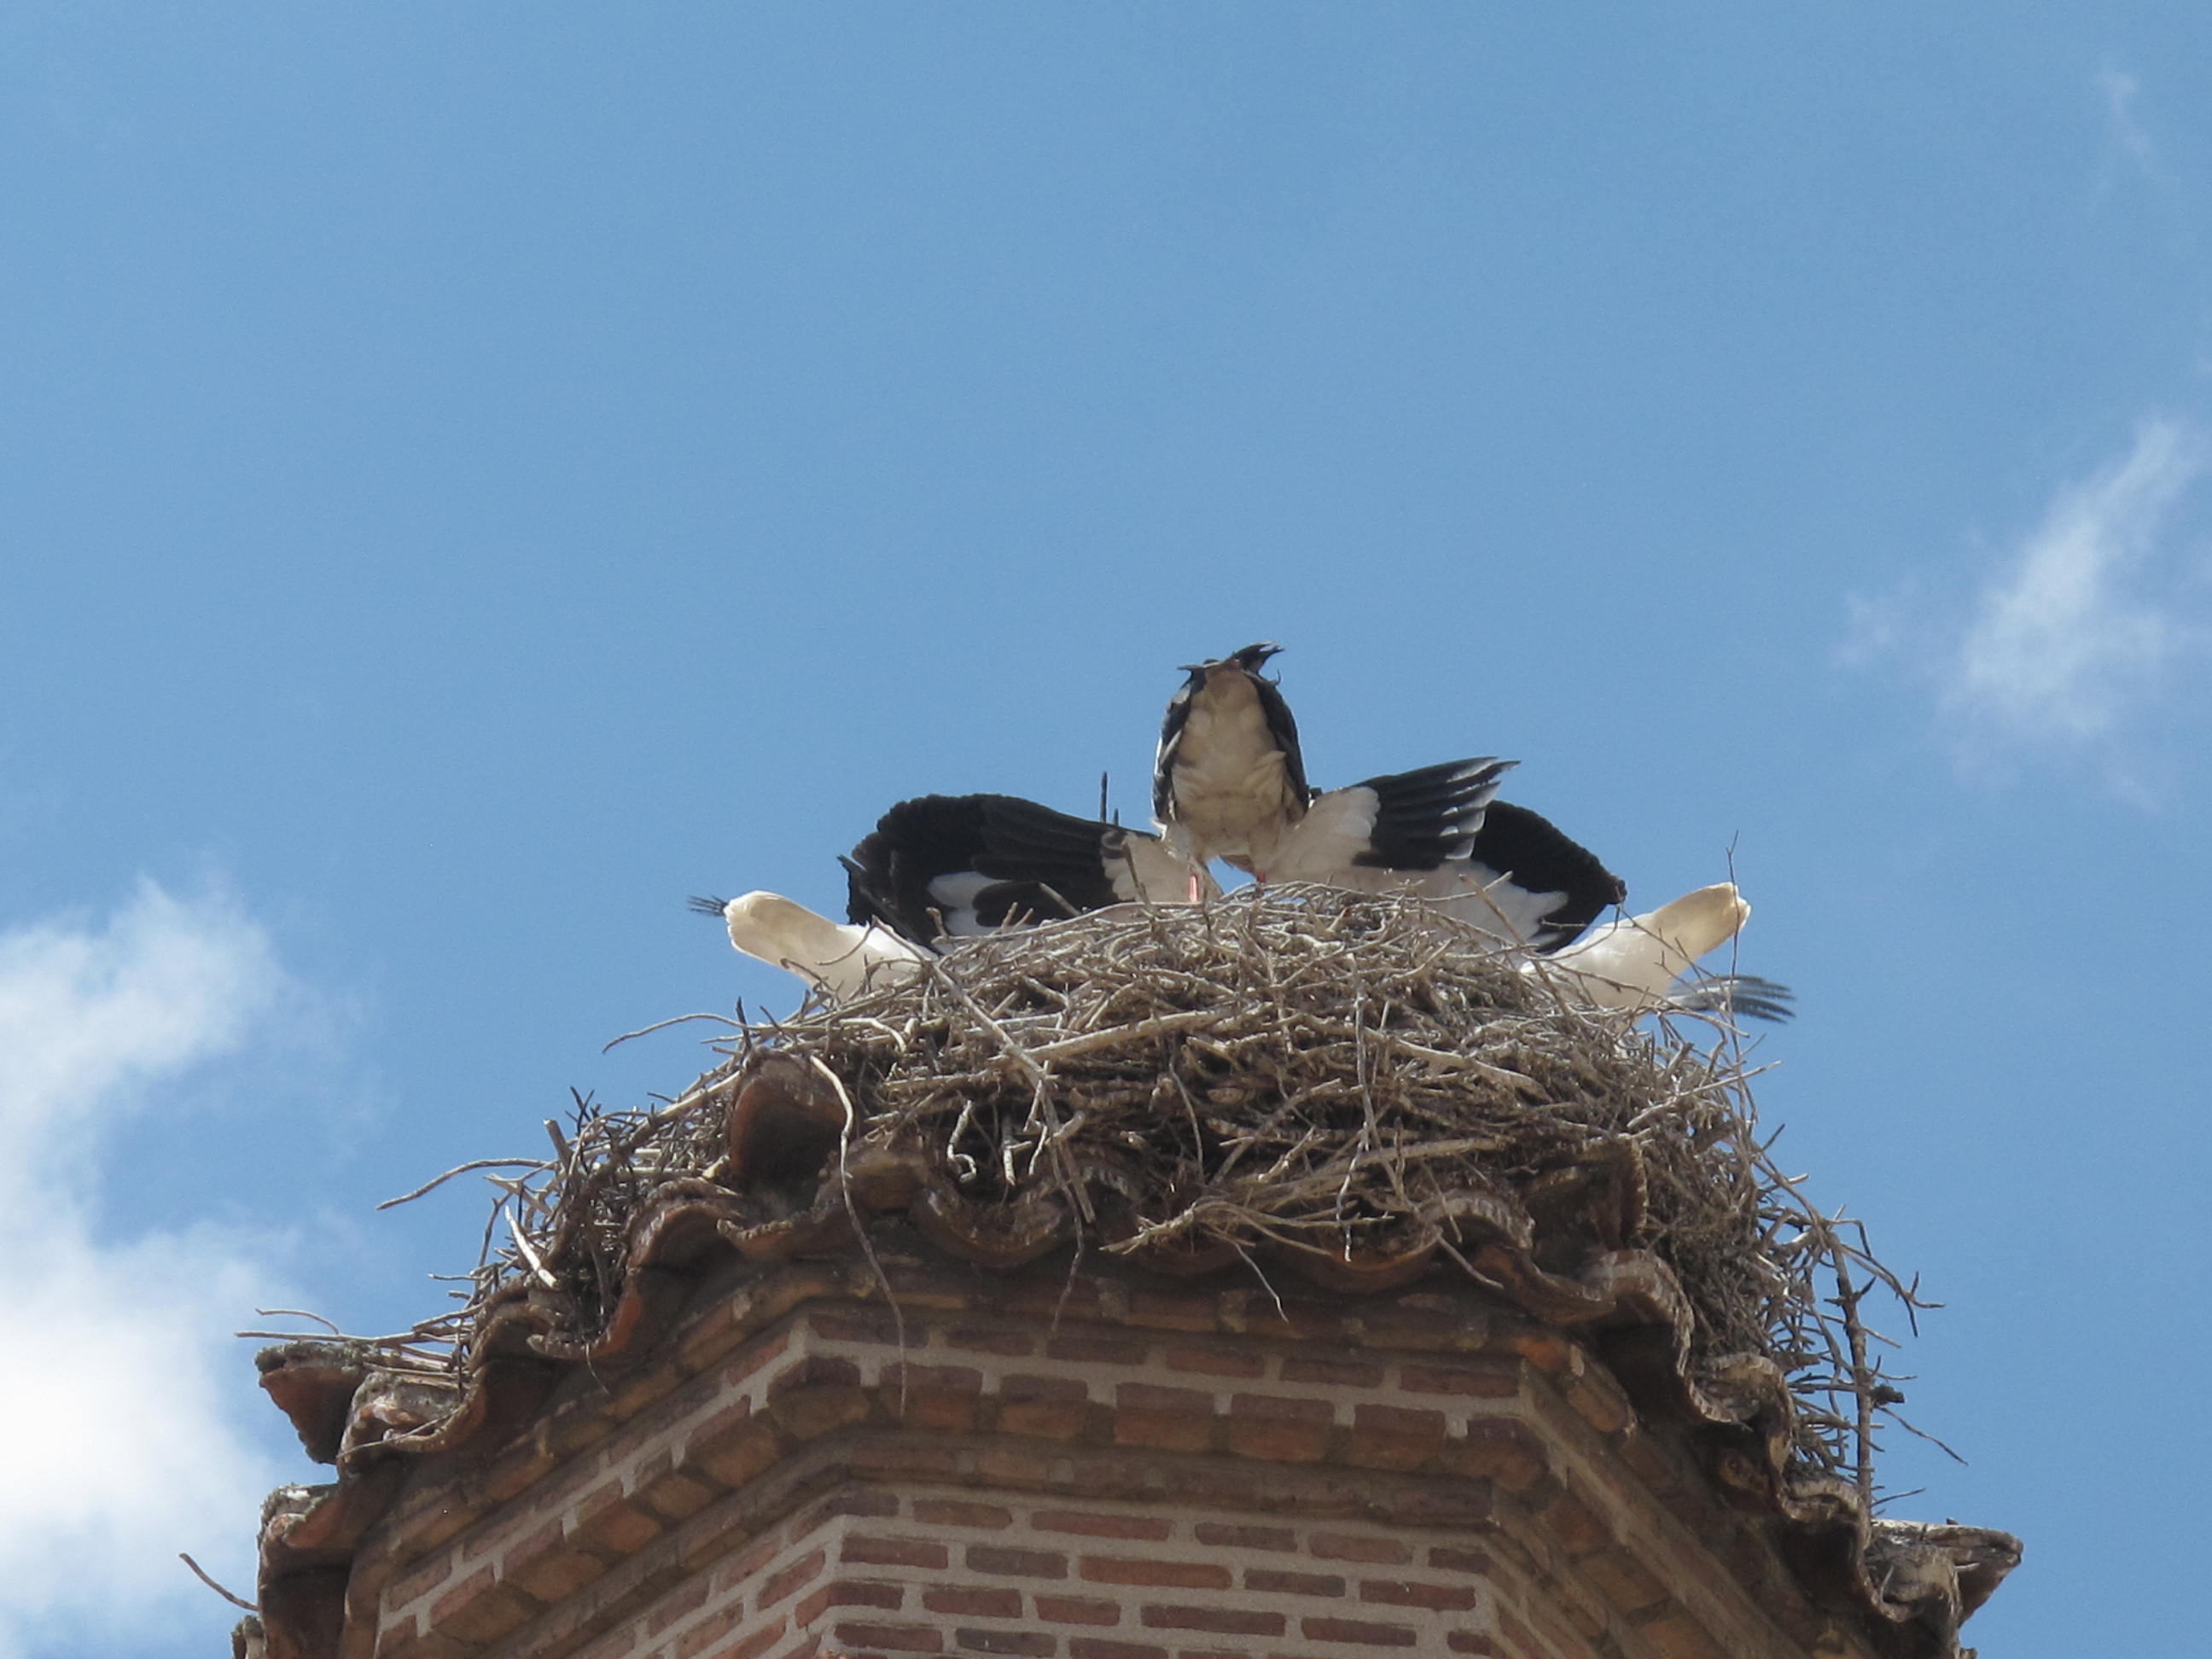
961	864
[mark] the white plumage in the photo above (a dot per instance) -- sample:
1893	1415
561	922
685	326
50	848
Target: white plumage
1633	963
843	959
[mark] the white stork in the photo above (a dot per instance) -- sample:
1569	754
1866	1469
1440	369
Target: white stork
843	960
945	867
958	866
1229	782
1639	961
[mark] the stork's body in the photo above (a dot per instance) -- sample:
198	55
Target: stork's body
844	961
1637	962
1229	781
957	866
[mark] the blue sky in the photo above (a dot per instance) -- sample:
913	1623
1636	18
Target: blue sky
471	477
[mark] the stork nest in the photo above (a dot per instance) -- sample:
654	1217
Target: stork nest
1296	1076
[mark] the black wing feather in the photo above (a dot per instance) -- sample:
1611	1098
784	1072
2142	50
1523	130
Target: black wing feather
1434	814
1038	863
1530	851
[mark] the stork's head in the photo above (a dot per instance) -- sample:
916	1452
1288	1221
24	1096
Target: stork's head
1251	659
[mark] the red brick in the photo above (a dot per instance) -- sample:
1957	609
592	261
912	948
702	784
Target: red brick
1474	1379
1520	1637
1578	1529
484	1616
1354	1547
1056	1298
892	1639
1471	1641
1358	1629
1279	1428
1017	1564
1034	1643
1224	1621
761	1351
1182	1575
459	1596
1446	1559
669	1494
1012	1466
974	1339
944	1379
1337	1373
1677	1636
893	1552
952	1512
736	1452
1026	1386
806	1412
1097	1350
1455	1504
971	1602
681	1602
1547	1351
1206	1485
1096	1647
711	1630
790	1579
419	1579
872	1502
847	1593
1246	1538
1623	1580
851	1325
1392	1438
1292	1584
547	1565
1044	1420
1149	1397
1217	1361
1166	1311
1499	1449
745	1647
736	1572
398	1643
942	1397
1171	1419
1102	1526
1600	1402
904	1457
1408	1593
1076	1610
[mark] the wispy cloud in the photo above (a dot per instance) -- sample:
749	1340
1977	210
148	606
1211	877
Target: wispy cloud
2077	624
2119	89
119	1372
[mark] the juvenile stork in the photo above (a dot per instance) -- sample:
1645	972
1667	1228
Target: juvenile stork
1229	782
941	868
953	867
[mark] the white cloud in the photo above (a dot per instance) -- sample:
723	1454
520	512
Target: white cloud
2119	89
2072	632
118	1375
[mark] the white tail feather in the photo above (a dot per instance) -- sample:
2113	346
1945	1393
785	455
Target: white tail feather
1632	962
843	959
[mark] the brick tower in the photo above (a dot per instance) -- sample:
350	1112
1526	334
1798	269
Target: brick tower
810	1394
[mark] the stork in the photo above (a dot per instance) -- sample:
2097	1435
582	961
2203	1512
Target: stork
957	866
1635	963
844	960
1229	782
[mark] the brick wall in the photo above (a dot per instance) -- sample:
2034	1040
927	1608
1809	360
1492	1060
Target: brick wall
1156	1475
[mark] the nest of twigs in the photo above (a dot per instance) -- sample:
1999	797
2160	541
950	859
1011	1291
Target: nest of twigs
1299	1076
